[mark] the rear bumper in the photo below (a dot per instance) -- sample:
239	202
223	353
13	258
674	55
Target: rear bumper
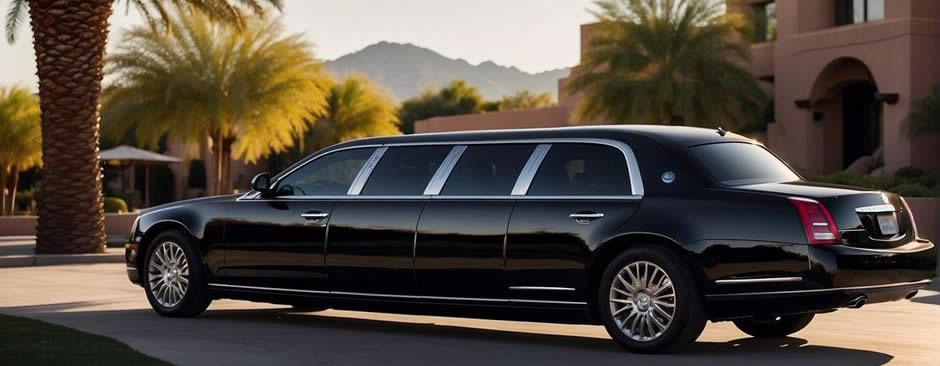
836	276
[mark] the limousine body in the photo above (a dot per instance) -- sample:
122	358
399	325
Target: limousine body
650	231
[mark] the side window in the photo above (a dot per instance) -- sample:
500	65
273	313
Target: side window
582	170
487	170
330	175
405	171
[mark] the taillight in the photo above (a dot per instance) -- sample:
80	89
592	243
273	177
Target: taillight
818	224
911	215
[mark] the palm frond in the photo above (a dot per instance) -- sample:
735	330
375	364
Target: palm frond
14	16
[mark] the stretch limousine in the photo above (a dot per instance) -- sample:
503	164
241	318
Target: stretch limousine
648	230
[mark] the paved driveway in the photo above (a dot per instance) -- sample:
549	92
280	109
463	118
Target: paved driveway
97	298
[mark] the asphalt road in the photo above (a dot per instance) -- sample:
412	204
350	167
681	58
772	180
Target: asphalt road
99	299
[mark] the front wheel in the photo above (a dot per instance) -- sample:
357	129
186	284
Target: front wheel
173	277
649	302
775	327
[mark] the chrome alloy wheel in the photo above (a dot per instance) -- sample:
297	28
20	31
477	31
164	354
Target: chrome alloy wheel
168	274
642	301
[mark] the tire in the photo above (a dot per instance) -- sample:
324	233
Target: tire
164	274
780	326
661	335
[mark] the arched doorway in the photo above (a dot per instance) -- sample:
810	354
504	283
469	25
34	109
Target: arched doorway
844	99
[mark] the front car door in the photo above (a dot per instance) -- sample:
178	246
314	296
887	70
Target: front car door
372	233
279	242
580	193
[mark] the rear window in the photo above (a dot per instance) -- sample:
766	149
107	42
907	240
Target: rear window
735	164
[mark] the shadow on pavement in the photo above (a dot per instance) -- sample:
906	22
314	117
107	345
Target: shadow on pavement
274	336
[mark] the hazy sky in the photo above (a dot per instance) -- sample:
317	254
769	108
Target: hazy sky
533	35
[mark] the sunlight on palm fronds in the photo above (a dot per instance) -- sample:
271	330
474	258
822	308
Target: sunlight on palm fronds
356	108
20	139
667	61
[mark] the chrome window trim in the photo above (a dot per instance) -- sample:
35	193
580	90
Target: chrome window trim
356	187
393	296
436	184
636	180
528	171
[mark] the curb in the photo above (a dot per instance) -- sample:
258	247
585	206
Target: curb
112	256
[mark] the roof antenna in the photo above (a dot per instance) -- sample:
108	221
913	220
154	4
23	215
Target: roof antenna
721	131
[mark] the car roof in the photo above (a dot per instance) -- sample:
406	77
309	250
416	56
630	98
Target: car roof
668	135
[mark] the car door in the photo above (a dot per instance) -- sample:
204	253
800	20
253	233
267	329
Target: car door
460	243
578	196
279	241
371	235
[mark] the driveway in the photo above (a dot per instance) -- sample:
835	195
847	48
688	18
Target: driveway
97	298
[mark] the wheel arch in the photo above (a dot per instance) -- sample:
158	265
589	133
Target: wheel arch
154	229
609	249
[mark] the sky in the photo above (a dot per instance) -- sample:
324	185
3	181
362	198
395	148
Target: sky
533	35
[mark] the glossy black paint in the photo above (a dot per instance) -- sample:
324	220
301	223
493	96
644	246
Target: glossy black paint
477	256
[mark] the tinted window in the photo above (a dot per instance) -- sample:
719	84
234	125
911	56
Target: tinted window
582	170
487	170
405	171
742	163
328	175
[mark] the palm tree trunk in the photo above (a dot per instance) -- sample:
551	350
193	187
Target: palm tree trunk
14	182
69	39
3	189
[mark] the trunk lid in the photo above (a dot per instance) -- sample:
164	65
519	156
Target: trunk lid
865	218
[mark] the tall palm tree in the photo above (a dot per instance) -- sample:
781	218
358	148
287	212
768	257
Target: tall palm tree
668	61
20	140
250	92
355	108
69	38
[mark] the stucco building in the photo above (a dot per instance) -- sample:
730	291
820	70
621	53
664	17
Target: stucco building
843	75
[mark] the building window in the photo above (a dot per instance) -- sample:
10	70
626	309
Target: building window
859	11
765	22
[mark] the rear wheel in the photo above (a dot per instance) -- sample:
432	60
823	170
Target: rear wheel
648	301
780	326
173	277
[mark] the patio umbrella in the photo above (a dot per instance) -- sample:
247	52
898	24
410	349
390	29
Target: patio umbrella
133	156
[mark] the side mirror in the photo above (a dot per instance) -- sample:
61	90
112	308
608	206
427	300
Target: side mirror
261	183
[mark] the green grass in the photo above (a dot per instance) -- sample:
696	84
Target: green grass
36	343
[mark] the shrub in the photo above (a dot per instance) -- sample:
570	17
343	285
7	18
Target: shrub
114	204
908	182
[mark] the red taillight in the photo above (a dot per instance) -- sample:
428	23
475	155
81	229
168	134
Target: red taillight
818	224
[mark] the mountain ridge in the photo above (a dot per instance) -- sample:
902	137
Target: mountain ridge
406	70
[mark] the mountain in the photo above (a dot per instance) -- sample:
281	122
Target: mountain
407	70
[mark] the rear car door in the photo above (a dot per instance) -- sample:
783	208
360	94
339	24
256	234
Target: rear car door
279	242
579	195
460	243
372	233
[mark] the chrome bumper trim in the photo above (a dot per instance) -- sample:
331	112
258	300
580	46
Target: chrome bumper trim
758	280
900	284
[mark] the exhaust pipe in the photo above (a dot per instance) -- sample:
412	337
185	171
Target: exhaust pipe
857	302
911	295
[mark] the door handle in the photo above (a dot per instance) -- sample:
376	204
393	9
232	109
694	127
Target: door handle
314	216
584	217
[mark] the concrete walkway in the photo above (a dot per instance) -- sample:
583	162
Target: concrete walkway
19	251
99	299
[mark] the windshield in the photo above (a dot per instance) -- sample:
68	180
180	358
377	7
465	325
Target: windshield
735	164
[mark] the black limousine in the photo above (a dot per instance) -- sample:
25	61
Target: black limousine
648	230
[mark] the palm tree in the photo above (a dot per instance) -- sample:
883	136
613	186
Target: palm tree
249	92
924	118
668	61
355	109
69	38
20	140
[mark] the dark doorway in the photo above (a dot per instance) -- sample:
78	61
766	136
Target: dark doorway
861	122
